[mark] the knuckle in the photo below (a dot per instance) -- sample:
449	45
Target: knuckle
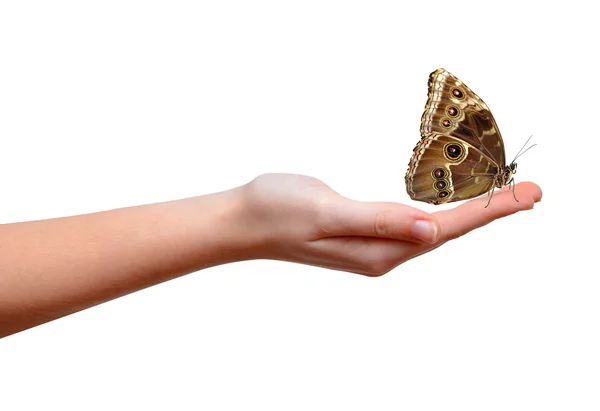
325	219
378	271
367	261
381	224
377	267
457	230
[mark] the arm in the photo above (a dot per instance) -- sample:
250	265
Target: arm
53	268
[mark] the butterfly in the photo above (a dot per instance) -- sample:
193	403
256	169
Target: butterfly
461	153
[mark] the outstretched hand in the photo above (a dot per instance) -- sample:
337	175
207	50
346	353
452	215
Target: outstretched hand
300	219
52	268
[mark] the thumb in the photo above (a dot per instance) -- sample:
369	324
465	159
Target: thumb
347	217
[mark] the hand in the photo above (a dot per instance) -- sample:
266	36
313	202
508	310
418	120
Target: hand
300	219
52	268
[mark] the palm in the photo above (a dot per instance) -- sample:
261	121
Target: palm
306	221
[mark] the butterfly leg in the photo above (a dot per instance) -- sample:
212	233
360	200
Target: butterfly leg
490	195
512	181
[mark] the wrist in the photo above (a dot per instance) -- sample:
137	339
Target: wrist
238	234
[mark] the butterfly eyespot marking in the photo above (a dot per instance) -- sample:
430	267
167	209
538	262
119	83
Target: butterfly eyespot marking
453	151
446	123
439	173
440	185
443	194
458	93
453	111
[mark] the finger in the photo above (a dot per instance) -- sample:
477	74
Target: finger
347	217
474	214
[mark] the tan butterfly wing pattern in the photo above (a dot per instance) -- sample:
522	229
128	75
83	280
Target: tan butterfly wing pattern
454	109
437	178
461	152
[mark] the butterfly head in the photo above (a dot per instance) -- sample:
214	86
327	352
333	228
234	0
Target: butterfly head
507	175
512	167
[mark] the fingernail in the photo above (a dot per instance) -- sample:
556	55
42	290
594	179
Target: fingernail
425	230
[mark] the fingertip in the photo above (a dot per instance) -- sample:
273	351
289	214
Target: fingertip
438	228
534	189
426	230
529	190
425	227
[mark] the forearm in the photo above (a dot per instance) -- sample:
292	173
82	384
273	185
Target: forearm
52	268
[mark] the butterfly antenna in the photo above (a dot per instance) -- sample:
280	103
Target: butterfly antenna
521	152
528	148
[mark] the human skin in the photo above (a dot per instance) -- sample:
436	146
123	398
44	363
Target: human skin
53	268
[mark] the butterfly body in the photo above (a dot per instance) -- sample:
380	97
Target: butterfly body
461	152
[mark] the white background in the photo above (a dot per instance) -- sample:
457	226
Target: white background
117	103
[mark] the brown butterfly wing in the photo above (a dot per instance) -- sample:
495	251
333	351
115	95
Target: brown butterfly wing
454	109
444	169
